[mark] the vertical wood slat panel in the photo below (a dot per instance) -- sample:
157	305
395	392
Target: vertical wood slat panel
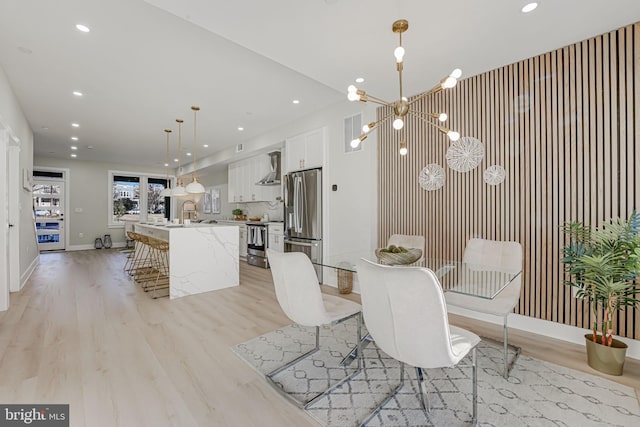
563	125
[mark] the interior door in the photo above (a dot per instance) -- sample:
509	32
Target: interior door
48	204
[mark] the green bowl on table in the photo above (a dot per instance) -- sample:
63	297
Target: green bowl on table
398	255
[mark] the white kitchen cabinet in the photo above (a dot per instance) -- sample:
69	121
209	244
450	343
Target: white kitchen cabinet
243	176
234	187
243	240
305	151
276	237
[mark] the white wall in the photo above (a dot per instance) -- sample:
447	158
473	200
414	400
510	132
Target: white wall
13	120
88	190
217	178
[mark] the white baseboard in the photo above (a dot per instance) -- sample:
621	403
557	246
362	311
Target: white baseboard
92	247
544	327
27	274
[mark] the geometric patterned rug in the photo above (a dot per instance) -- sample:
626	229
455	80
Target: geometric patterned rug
536	394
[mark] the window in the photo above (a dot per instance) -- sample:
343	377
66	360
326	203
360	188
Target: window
155	203
135	195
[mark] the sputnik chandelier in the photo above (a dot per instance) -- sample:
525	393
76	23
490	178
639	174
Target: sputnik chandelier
403	106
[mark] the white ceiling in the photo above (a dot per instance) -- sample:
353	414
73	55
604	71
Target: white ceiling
144	63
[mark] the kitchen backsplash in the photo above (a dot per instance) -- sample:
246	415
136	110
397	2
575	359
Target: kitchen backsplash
275	210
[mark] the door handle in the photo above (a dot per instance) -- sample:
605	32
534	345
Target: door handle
296	243
10	225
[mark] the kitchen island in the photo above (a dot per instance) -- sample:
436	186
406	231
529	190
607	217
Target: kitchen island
202	257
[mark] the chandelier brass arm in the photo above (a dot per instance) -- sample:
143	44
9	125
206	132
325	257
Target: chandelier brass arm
451	134
403	106
365	97
446	83
366	129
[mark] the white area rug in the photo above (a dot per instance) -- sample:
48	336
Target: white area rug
536	394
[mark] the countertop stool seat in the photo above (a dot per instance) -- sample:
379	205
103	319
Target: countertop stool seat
160	264
146	271
137	262
131	237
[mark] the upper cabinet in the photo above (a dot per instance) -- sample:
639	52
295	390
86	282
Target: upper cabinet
243	176
305	151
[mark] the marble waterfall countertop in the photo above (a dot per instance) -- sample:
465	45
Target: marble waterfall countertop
202	257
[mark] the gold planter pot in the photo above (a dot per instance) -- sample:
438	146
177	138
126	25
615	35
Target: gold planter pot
609	360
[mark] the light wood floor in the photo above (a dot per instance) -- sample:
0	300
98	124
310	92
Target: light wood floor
82	333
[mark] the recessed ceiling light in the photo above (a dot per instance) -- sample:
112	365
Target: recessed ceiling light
74	155
359	80
44	128
206	145
296	101
176	160
73	147
188	154
166	164
75	125
529	7
240	128
74	138
89	147
83	28
76	93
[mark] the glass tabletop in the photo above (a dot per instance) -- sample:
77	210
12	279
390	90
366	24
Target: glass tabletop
455	276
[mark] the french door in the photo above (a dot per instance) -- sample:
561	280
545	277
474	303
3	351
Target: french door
48	206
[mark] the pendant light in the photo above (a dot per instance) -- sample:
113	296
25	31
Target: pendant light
179	189
195	187
166	192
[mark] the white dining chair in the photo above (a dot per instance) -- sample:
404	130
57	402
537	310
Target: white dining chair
405	312
408	241
300	297
503	256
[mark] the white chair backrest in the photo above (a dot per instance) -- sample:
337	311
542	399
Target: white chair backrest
506	256
405	313
297	289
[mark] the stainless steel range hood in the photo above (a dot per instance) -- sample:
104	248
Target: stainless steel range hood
273	177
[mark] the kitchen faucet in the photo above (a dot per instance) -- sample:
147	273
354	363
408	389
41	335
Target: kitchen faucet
189	209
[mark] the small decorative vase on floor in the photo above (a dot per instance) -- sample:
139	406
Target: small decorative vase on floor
98	243
107	241
345	279
609	360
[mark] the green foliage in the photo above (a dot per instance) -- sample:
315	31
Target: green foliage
604	264
118	208
237	212
394	249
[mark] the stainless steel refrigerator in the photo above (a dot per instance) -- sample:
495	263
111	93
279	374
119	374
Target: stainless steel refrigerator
303	215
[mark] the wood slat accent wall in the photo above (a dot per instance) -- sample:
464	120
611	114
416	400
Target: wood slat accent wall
564	126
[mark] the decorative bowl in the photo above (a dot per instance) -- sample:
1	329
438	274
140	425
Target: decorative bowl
390	258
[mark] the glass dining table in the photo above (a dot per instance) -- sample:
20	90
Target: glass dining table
477	280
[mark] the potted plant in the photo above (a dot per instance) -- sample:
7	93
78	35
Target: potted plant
603	265
238	214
